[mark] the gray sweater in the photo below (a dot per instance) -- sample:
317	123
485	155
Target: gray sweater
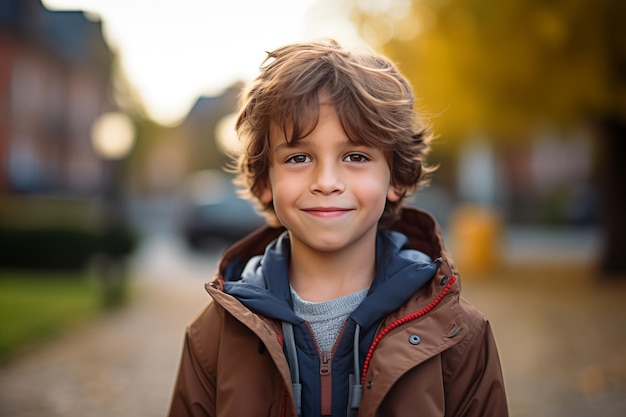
327	318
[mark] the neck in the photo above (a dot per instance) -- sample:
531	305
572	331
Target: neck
321	276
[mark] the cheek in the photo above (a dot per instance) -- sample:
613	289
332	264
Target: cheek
284	191
384	188
375	192
280	190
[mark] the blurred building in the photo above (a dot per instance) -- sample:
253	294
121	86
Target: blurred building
55	71
199	128
190	147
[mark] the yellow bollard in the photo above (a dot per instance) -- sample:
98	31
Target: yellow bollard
476	239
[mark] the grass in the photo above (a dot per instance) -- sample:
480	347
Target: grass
35	307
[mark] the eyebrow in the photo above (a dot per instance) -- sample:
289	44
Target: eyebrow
292	144
304	143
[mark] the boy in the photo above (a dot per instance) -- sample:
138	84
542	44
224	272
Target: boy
349	304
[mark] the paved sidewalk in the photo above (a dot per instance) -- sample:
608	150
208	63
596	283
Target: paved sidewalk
561	337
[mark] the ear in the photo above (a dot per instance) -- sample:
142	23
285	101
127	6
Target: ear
266	196
394	193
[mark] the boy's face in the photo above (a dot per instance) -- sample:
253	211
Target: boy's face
328	192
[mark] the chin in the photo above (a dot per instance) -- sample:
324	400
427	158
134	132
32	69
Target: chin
329	244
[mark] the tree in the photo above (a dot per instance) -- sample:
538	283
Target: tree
506	67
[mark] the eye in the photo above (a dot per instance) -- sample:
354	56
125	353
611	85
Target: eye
356	157
298	159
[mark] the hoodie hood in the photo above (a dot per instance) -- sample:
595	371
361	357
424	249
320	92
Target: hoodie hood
263	285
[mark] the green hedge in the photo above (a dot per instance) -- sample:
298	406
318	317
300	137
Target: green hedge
60	248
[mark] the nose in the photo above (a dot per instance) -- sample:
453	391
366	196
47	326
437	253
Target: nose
327	178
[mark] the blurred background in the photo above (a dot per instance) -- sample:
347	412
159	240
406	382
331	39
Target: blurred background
116	119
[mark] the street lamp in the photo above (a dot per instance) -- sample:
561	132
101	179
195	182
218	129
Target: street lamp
112	138
226	136
113	135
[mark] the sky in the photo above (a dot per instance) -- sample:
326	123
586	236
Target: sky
173	51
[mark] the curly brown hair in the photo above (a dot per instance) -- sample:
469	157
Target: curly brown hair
373	100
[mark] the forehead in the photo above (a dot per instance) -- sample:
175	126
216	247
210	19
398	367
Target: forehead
293	133
300	120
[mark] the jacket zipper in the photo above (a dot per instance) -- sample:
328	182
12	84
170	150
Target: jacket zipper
403	320
326	377
326	383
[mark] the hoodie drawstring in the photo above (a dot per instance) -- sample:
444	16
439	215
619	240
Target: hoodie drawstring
292	360
356	389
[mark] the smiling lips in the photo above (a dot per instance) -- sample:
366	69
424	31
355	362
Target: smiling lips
326	211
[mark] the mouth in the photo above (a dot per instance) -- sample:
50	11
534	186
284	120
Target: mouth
326	211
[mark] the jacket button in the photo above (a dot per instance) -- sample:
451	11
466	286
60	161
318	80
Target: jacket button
369	384
415	339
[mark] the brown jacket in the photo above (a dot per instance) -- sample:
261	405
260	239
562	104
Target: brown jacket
435	356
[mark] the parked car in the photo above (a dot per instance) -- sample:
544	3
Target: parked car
214	212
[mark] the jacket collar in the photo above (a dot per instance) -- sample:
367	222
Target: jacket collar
244	259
